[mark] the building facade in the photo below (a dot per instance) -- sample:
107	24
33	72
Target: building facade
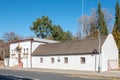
78	55
21	51
70	55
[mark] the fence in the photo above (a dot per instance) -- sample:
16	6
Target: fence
113	64
6	62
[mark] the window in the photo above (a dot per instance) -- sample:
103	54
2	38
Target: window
41	60
66	60
13	56
27	50
52	60
12	51
82	60
24	50
58	60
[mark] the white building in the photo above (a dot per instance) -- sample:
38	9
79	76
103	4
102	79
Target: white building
70	55
77	55
21	50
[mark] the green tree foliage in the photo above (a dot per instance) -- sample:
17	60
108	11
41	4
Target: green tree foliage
90	23
93	32
60	35
117	16
101	22
67	36
42	27
57	32
116	35
116	31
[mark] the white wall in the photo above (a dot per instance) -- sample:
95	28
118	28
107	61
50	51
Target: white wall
25	59
14	61
73	62
109	52
35	45
6	62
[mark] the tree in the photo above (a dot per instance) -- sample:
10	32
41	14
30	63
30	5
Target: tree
11	36
78	34
67	36
101	22
89	25
93	24
42	27
116	32
108	18
58	34
4	50
84	20
117	16
116	35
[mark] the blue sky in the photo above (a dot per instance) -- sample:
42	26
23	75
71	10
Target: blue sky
18	15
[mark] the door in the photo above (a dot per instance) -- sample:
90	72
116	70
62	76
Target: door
19	57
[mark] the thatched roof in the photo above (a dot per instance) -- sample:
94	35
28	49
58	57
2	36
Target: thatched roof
85	46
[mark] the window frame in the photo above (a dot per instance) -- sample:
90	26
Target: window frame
52	60
82	60
41	60
66	60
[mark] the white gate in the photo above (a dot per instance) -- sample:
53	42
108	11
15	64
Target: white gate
113	64
6	62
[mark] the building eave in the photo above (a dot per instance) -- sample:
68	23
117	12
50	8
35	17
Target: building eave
66	54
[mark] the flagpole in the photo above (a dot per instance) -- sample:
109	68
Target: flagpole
82	15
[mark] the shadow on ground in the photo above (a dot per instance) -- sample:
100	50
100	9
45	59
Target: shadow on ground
7	77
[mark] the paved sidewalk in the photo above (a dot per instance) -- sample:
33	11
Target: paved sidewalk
110	74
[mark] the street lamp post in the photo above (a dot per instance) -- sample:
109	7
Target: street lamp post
99	39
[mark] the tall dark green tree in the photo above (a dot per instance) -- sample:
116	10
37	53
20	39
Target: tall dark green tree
116	28
101	22
117	16
42	27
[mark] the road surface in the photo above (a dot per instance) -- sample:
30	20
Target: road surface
29	75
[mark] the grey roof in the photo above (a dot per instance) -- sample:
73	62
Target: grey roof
35	40
69	47
45	40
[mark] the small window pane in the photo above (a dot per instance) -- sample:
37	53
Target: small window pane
65	60
58	60
41	60
52	60
82	60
